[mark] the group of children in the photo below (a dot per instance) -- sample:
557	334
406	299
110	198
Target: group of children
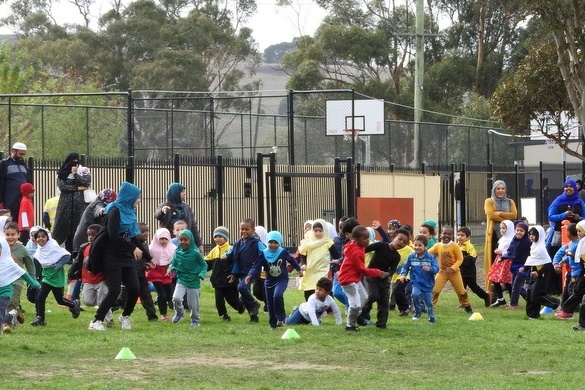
351	265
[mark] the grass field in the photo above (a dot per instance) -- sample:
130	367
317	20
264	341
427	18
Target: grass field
503	351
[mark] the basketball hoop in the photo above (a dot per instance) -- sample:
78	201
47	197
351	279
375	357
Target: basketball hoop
349	133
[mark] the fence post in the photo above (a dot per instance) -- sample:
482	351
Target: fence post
517	189
130	170
452	215
463	194
219	186
176	169
31	169
260	185
564	171
338	197
541	180
350	188
272	174
490	180
212	124
130	124
291	127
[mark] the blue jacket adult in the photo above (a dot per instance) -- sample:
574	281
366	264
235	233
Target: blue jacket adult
568	205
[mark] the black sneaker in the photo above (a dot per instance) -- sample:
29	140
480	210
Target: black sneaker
469	310
38	322
255	309
226	318
254	319
487	301
578	327
153	319
76	309
498	303
241	310
381	326
351	329
404	313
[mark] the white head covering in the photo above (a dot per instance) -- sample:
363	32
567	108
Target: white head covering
507	238
331	229
538	253
261	232
3	220
10	270
51	252
580	251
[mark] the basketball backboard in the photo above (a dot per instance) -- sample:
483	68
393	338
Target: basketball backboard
368	117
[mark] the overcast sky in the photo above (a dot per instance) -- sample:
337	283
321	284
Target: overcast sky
271	24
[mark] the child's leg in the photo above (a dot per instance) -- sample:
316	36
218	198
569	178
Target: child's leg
41	299
402	302
457	284
532	308
90	294
4	316
101	293
15	298
353	300
297	318
178	296
575	298
477	290
278	299
76	290
339	293
269	296
232	298
146	297
193	295
518	280
169	294
259	292
58	293
440	281
427	296
383	299
220	301
162	298
247	298
417	301
373	296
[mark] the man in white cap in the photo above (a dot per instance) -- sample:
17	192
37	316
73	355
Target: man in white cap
13	172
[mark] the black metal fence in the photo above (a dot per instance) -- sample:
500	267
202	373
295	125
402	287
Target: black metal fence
157	125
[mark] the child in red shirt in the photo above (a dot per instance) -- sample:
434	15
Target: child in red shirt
26	216
351	272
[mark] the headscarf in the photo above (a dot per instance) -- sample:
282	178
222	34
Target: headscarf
538	253
506	239
580	251
270	255
107	195
262	233
174	193
3	220
331	229
51	252
127	196
70	161
567	200
10	270
182	254
516	243
502	204
312	242
161	255
372	233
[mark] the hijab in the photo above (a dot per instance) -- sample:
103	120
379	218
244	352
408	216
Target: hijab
51	252
182	254
174	193
127	196
538	253
311	242
580	251
3	220
107	195
161	255
261	233
70	161
502	204
507	238
10	270
567	200
270	255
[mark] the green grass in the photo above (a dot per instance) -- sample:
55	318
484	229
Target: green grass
505	350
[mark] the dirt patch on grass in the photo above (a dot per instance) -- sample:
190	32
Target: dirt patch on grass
239	362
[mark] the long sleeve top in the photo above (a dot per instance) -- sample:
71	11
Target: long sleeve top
354	265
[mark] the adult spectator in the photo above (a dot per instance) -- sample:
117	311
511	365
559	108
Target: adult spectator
175	209
497	208
568	206
13	173
93	214
580	189
71	201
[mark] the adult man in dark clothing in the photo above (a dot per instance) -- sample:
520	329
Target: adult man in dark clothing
13	173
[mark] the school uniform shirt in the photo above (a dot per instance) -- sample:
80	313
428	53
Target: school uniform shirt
469	253
354	265
221	268
424	280
384	257
448	255
24	260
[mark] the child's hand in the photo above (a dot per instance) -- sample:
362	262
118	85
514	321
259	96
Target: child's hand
248	279
376	224
521	269
534	274
449	271
232	278
426	268
385	275
137	254
402	279
301	274
557	268
168	271
35	284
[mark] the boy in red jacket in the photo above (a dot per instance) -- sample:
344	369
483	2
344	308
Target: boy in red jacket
26	218
351	272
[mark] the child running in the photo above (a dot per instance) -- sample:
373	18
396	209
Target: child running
162	250
450	258
422	267
468	269
190	268
221	268
499	273
52	258
10	273
273	261
351	272
318	304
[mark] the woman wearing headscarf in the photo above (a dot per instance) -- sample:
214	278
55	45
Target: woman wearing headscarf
115	252
568	206
498	208
93	213
71	202
175	209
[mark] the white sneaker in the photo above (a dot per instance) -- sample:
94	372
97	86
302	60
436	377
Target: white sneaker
126	322
96	325
14	322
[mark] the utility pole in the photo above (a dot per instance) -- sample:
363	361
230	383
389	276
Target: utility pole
419	63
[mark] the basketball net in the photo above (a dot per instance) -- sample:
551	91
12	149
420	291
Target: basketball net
349	133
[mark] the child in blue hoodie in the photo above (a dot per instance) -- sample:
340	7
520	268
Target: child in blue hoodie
422	267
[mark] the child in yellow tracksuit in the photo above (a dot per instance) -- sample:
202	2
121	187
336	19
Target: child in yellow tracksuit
450	258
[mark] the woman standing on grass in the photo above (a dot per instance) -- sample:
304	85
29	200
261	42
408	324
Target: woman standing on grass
498	208
115	252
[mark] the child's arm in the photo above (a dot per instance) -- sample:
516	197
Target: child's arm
434	265
558	259
382	232
203	264
29	264
336	313
292	261
405	269
254	272
31	282
458	257
333	252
